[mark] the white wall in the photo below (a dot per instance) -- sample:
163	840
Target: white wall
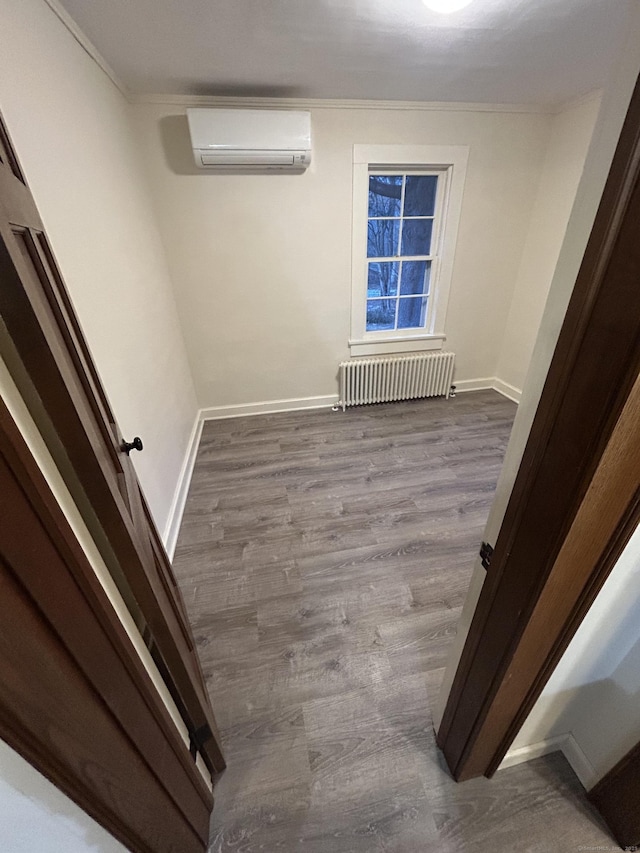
594	693
262	263
72	132
36	816
571	132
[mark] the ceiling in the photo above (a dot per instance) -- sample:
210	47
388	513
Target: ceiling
495	51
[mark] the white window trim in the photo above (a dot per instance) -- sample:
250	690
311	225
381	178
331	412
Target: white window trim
450	158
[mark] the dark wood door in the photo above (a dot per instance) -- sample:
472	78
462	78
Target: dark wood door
43	345
76	699
617	798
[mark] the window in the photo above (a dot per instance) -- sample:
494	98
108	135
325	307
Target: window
400	242
407	203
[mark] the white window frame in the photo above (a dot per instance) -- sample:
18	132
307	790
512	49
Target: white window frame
450	162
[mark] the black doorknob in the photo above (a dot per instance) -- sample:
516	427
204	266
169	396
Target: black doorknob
128	446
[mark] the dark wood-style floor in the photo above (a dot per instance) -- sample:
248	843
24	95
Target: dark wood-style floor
324	558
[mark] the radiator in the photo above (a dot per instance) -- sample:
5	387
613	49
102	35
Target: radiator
382	380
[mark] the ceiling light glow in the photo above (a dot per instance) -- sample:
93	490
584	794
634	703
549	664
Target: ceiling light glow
446	6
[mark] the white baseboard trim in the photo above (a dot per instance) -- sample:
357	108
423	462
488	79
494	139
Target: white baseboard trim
488	383
179	501
580	764
567	745
463	385
507	390
533	750
268	407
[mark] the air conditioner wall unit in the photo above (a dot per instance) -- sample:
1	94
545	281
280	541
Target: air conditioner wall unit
258	140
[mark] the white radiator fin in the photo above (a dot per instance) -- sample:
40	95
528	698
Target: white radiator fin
383	380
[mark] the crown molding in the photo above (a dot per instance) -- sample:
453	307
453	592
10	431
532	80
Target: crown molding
573	103
87	45
300	103
331	104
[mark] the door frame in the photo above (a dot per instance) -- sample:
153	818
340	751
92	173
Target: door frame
538	590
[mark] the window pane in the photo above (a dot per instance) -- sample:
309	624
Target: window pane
420	195
415	277
416	236
383	278
381	314
411	312
382	239
385	192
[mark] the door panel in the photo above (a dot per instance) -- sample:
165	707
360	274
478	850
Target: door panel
52	366
76	700
36	266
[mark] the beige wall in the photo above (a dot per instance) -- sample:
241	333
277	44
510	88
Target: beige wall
262	263
71	129
571	132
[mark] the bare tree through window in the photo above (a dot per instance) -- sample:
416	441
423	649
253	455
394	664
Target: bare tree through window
400	226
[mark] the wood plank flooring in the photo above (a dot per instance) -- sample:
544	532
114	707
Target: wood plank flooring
324	558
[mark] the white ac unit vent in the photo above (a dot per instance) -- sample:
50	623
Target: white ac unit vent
226	140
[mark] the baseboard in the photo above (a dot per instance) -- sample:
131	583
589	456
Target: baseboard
463	385
507	390
179	501
580	764
268	407
533	750
488	383
567	745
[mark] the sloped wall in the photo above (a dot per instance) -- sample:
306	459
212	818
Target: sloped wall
571	132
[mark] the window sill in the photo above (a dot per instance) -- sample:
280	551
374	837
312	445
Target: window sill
415	344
